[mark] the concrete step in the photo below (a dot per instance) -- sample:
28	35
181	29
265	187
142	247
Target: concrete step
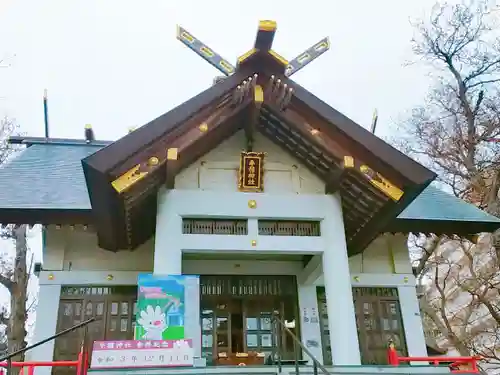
286	370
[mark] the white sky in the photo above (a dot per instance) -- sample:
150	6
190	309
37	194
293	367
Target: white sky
117	63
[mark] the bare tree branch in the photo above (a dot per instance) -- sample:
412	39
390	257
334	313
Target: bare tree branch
15	267
452	133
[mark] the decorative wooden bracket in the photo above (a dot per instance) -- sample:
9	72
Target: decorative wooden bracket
135	174
171	167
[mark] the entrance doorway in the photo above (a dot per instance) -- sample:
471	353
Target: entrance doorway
378	319
113	308
236	314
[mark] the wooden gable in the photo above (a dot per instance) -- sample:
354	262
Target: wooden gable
376	182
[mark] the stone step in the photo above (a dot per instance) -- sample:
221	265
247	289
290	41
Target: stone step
286	370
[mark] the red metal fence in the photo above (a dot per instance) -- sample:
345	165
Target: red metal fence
81	365
457	365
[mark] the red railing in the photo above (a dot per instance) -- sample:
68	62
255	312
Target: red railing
457	365
81	365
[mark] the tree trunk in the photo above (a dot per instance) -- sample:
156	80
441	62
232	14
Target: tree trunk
18	315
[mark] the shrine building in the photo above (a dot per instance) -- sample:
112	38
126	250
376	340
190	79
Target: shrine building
275	199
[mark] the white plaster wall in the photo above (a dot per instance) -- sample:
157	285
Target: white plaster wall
77	249
241	267
386	254
218	170
72	257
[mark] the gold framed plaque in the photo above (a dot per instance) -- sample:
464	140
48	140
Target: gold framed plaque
251	172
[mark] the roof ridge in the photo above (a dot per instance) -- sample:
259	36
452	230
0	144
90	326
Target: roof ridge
22	140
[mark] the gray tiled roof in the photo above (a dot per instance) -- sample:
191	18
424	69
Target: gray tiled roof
435	204
46	177
50	176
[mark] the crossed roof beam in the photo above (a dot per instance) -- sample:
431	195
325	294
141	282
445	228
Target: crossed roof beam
263	42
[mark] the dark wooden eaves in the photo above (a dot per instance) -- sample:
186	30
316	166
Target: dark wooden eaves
367	211
45	216
385	158
116	153
447	227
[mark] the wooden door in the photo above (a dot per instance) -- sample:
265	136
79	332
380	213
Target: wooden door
114	310
95	307
258	332
70	314
120	317
217	328
379	320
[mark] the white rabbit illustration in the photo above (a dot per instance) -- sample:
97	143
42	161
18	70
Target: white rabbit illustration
154	323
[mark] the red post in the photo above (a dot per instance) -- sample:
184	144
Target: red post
86	362
80	363
392	355
31	370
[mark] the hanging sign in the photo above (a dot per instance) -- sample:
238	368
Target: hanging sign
251	172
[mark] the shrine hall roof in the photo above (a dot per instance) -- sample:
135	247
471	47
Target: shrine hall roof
47	176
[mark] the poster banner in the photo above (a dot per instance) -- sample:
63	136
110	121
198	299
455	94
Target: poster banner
141	354
161	306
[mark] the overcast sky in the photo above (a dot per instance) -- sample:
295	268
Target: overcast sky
117	64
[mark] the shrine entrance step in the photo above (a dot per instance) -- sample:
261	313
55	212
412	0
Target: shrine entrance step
211	370
286	370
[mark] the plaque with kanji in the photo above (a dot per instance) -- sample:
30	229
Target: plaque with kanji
251	172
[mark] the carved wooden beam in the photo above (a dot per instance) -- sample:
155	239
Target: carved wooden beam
154	157
157	148
337	176
196	142
279	93
318	137
252	120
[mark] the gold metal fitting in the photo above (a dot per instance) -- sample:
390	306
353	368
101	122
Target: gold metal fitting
348	162
253	243
172	154
252	203
203	127
110	277
356	278
153	161
50	276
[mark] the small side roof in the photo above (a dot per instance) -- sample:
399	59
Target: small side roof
44	183
436	207
47	179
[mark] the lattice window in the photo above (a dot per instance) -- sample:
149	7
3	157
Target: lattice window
219	285
98	290
289	228
215	226
375	292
